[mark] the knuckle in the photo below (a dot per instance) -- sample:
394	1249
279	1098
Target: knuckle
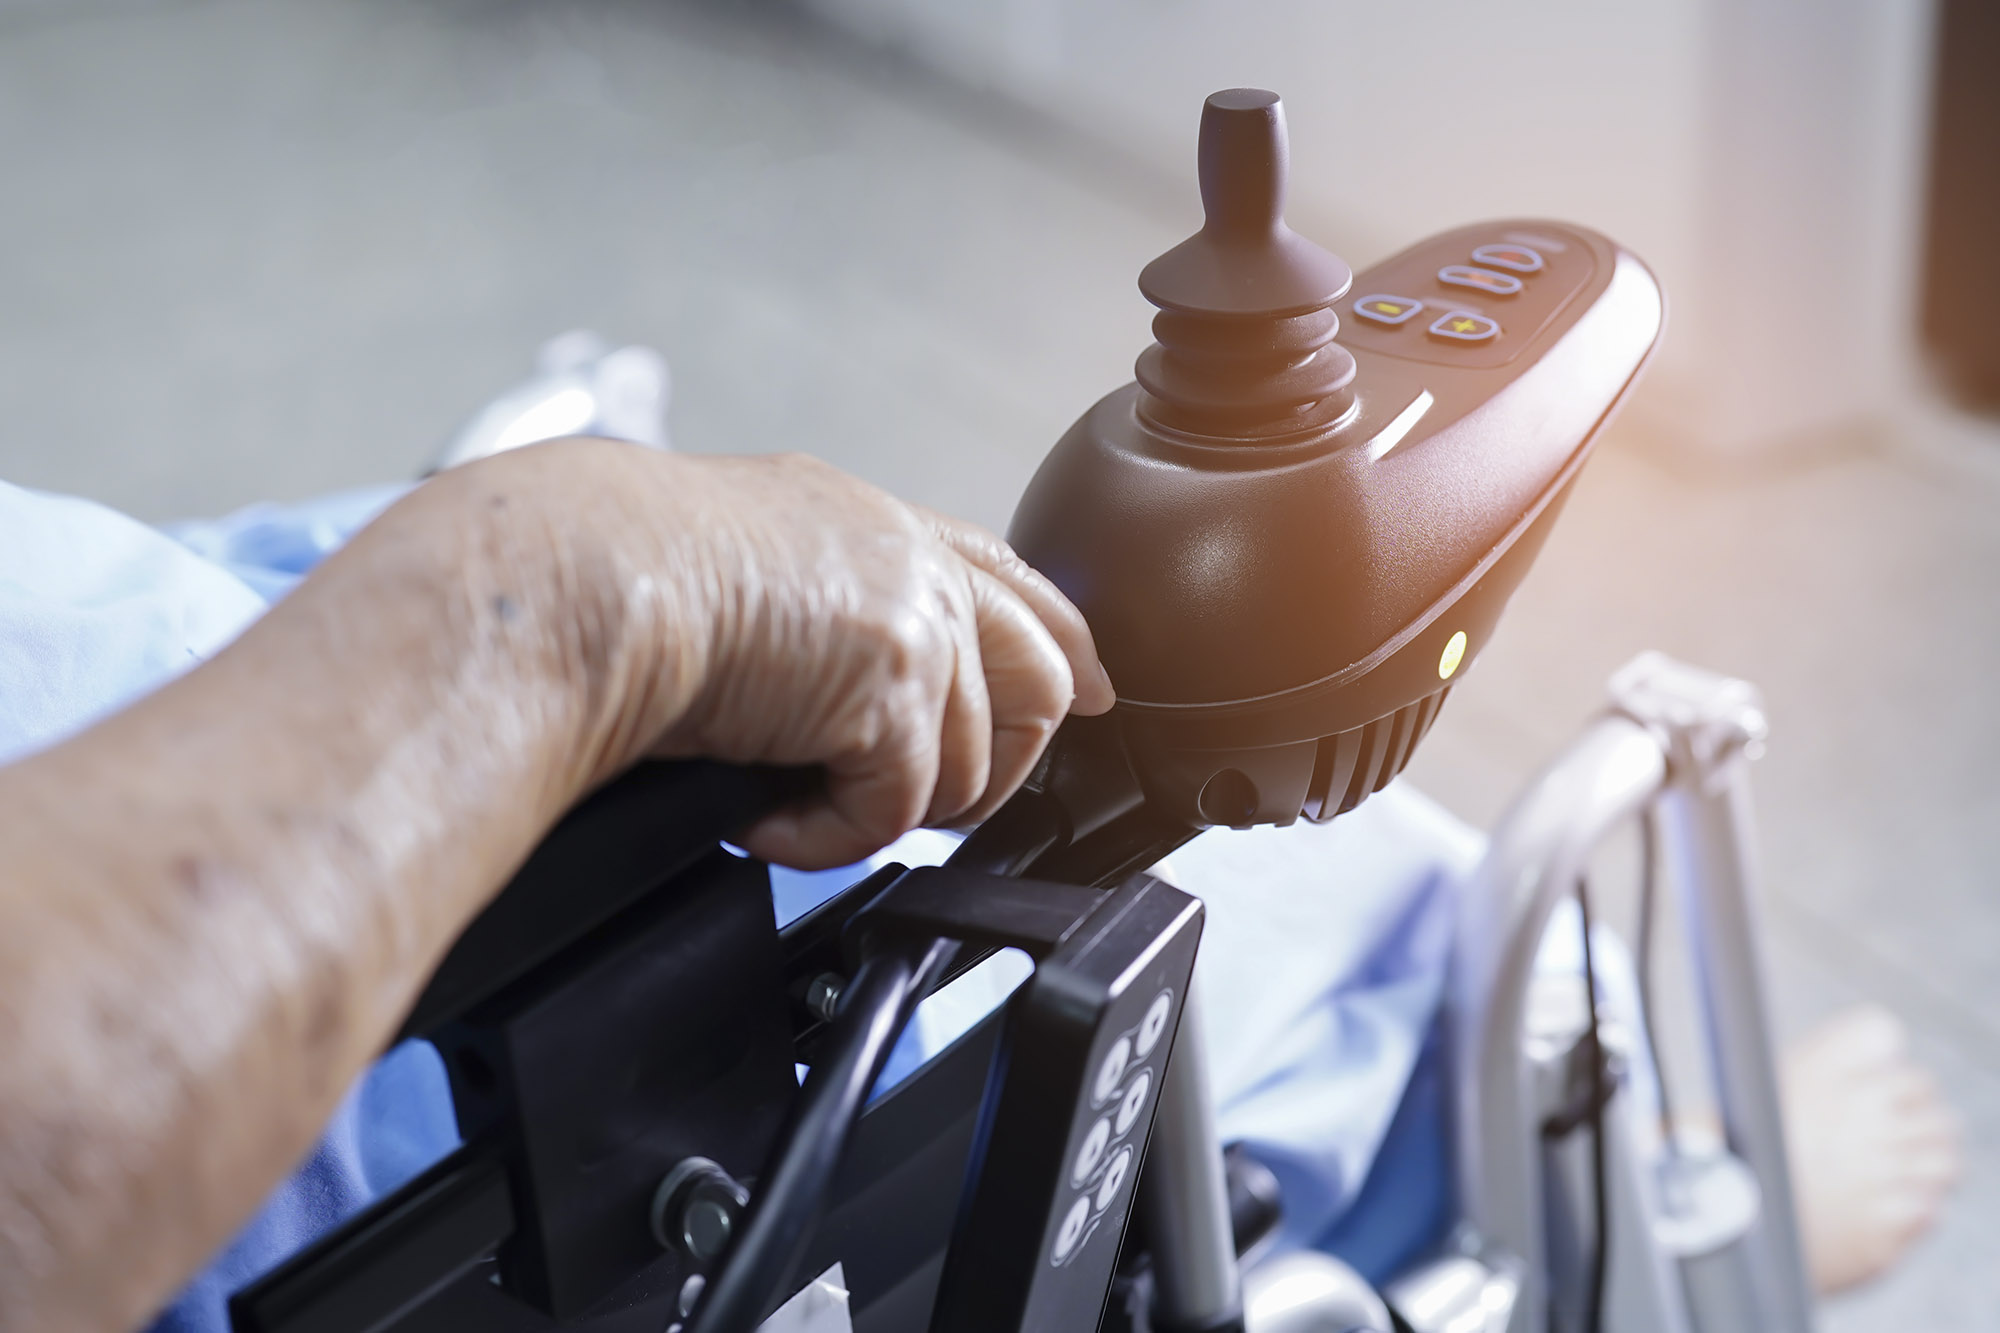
911	643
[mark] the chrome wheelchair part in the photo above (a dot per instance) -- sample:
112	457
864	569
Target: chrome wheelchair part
1183	1199
581	386
1534	859
1457	1293
1309	1292
1711	727
1711	1200
1643	1290
1681	738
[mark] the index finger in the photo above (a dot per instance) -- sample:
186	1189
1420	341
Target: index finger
985	550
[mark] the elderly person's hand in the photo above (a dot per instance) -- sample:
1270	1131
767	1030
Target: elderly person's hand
776	610
220	902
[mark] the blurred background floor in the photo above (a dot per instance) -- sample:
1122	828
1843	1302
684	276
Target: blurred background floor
268	249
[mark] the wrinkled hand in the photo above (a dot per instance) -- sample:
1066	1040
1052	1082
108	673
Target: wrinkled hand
779	611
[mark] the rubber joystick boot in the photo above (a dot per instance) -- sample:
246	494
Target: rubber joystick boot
1209	523
1245	331
1287	565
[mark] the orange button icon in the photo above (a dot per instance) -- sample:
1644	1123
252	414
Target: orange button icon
1514	258
1479	280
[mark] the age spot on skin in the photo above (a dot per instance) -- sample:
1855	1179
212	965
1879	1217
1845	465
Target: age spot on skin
194	879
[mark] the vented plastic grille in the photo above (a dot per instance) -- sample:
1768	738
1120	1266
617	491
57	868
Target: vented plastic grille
1352	765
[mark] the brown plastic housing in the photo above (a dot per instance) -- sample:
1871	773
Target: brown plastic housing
1278	582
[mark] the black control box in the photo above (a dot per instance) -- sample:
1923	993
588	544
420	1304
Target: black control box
1068	1111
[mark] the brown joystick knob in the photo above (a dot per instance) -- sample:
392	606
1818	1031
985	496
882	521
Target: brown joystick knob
1245	335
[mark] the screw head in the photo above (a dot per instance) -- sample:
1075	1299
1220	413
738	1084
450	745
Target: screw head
695	1209
705	1226
823	995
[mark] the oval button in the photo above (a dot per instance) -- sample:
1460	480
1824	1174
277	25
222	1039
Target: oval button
1479	280
1513	258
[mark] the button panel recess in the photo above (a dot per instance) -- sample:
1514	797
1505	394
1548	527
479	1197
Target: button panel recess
1474	297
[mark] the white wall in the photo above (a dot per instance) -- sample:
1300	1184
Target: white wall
1761	154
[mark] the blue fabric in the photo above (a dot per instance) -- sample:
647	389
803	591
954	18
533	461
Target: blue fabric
1320	975
1405	1203
391	1125
270	547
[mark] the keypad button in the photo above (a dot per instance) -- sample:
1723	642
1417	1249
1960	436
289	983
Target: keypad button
1091	1155
1385	309
1513	258
1112	1072
1479	280
1133	1102
1462	326
1070	1234
1114	1178
1154	1025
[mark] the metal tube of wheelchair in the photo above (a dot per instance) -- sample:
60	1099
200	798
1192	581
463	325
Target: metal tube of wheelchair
1709	837
1540	848
1184	1199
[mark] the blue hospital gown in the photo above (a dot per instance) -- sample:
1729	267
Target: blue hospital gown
1322	968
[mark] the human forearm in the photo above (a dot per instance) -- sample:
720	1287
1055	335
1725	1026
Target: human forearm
218	903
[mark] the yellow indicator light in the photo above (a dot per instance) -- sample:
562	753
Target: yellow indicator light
1454	653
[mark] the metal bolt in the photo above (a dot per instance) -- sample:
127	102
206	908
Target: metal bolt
705	1226
695	1209
823	995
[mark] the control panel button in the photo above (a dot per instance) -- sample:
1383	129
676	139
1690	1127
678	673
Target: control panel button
1513	258
1479	280
1462	326
1112	1072
1114	1178
1091	1155
1133	1102
1390	310
1071	1233
1154	1025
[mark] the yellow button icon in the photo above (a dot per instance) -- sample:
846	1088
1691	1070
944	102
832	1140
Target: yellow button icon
1454	653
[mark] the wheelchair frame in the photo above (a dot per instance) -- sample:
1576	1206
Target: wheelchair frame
1699	1242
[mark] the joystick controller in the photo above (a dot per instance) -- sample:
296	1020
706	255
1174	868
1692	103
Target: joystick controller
1296	529
1291	535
